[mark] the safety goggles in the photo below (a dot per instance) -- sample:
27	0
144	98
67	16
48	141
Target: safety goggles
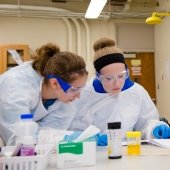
112	78
67	88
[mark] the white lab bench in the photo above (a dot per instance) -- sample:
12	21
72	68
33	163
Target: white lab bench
152	158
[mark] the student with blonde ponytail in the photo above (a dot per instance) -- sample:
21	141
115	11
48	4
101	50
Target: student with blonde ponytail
43	86
112	97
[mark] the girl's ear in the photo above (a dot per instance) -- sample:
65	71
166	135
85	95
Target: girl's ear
54	83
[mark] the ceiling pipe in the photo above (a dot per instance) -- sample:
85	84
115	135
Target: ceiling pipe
52	12
78	36
69	34
87	35
32	8
89	59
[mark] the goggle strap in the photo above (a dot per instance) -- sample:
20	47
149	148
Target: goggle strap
65	86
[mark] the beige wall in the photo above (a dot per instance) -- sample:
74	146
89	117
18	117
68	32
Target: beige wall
162	65
34	32
135	37
70	34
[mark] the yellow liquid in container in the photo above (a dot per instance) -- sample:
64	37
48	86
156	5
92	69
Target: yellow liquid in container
133	149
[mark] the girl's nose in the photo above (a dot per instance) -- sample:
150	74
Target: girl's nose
77	95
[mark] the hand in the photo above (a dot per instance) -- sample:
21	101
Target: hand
73	136
101	139
162	131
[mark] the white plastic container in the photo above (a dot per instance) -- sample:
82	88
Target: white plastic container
37	162
26	127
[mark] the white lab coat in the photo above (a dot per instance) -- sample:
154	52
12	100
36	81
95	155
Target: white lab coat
20	92
132	107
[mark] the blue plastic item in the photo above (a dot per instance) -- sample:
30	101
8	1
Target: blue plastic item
27	116
161	132
101	139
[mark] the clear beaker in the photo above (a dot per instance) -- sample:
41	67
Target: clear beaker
133	142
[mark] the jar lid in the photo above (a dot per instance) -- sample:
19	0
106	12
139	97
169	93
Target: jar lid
27	116
132	134
114	125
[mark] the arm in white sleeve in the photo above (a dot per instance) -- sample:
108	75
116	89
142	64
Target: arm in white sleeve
148	117
15	99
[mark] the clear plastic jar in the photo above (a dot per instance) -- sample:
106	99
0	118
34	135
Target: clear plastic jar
133	142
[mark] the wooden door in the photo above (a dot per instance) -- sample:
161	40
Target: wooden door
142	71
1	60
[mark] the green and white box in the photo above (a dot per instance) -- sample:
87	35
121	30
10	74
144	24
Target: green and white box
74	154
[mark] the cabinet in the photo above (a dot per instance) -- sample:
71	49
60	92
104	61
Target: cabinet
6	60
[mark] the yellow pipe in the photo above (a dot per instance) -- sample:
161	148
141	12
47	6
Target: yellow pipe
161	14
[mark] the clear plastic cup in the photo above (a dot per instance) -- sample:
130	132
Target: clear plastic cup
133	142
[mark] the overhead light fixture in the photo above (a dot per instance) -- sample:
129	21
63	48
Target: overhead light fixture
156	17
94	9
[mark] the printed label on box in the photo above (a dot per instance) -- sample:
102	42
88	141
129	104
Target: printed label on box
71	147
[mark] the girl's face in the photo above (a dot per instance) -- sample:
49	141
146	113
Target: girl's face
73	92
113	77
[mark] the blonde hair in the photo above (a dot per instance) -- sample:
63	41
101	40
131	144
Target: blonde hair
104	46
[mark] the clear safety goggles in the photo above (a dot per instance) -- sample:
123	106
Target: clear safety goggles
112	78
67	88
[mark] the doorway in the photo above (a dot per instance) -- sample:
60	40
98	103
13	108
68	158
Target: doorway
142	71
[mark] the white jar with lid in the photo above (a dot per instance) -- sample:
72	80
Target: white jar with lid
114	140
26	127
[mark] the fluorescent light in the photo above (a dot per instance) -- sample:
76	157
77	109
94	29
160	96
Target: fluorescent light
94	9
